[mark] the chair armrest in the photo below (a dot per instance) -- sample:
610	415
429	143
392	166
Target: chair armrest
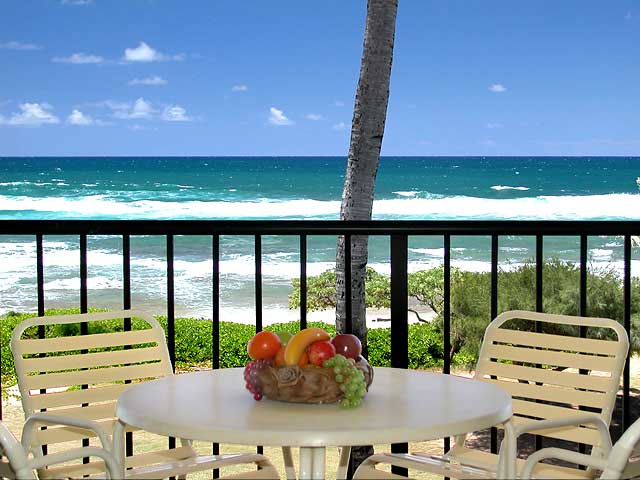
30	426
577	420
112	466
560	454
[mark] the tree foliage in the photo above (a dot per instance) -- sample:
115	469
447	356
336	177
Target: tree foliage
471	297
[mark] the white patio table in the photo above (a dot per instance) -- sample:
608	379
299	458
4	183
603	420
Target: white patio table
401	406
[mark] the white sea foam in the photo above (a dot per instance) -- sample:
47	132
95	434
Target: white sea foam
412	193
514	249
434	252
611	206
601	253
508	187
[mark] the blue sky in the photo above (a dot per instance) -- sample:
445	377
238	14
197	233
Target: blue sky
229	77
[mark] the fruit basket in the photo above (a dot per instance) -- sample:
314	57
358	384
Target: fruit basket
308	367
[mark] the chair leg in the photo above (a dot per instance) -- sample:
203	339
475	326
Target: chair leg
117	442
343	466
289	468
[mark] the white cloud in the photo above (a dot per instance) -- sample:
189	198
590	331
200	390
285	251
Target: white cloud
145	53
76	2
488	143
277	117
175	113
79	118
493	125
497	88
314	116
79	58
31	114
340	126
141	109
239	88
153	80
13	45
338	103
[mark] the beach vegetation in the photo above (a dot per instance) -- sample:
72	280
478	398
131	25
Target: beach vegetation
471	299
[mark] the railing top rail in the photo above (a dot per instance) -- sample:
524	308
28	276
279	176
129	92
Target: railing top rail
319	227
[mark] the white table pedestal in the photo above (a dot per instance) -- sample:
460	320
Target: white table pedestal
312	462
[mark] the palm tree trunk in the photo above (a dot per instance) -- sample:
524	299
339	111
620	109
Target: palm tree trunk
367	129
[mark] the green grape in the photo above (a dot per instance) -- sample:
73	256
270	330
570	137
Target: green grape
337	370
344	403
339	378
343	387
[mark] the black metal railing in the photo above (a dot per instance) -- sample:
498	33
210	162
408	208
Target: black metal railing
397	231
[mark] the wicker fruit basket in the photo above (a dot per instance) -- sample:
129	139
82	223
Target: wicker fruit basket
307	385
308	367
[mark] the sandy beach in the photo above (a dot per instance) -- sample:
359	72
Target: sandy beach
376	318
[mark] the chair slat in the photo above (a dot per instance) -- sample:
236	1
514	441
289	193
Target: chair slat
88	360
97	411
548	357
544	410
547	376
570	434
67	434
550	393
558	342
81	342
76	397
94	376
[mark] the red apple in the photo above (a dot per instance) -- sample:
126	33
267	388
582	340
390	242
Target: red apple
320	351
347	345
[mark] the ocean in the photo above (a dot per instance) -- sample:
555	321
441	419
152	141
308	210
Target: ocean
470	188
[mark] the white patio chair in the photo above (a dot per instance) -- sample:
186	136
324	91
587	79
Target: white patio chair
81	376
16	462
541	371
613	463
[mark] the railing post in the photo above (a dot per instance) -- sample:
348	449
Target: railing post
40	289
258	299
399	320
446	314
215	318
258	281
84	327
539	300
583	306
626	376
126	304
171	327
494	314
303	281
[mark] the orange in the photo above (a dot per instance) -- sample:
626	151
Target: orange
263	345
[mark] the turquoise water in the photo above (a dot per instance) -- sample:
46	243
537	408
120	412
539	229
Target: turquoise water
544	188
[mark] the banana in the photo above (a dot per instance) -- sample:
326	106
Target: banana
301	340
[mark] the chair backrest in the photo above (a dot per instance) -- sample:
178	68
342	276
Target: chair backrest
81	376
13	459
555	374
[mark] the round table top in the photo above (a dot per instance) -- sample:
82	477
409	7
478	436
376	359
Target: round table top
401	406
